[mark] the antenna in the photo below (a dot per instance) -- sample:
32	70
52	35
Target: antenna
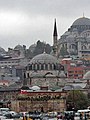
83	14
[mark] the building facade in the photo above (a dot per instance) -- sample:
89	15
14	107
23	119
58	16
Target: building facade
44	70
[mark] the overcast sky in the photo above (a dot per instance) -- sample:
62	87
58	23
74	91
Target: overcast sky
26	21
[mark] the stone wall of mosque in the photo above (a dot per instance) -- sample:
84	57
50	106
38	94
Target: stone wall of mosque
43	105
45	81
38	101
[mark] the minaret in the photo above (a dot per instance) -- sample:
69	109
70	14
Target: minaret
55	39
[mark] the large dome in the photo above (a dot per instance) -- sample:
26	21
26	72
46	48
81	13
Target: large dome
44	62
81	21
44	58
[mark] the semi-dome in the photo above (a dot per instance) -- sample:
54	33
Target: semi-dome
44	58
66	33
70	38
81	21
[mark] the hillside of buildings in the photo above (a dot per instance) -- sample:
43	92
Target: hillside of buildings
42	68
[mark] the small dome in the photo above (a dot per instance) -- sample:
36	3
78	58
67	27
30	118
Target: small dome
87	75
44	58
2	50
70	37
67	87
74	30
81	21
35	88
18	47
72	87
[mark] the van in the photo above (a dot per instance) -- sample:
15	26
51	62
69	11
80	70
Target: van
3	110
85	112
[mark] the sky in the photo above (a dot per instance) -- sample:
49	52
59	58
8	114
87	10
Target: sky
24	22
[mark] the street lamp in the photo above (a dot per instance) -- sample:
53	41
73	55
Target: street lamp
72	87
53	101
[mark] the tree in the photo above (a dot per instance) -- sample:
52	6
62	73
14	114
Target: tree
48	48
28	54
40	47
77	99
63	51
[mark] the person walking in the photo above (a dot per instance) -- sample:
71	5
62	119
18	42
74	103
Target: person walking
81	116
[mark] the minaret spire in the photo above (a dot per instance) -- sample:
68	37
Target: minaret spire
55	29
55	35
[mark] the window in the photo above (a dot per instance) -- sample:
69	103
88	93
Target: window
42	68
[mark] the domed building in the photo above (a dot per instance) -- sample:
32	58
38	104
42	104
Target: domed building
2	51
19	50
44	70
76	40
81	24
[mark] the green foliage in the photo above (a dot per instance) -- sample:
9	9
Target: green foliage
40	47
28	54
79	99
63	51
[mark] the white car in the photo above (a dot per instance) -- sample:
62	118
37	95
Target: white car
77	116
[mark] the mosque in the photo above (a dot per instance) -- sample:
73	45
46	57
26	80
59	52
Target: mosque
45	69
75	41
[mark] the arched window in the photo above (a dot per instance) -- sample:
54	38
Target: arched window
83	47
73	46
30	67
37	66
33	66
69	46
46	66
54	67
42	68
50	66
27	75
